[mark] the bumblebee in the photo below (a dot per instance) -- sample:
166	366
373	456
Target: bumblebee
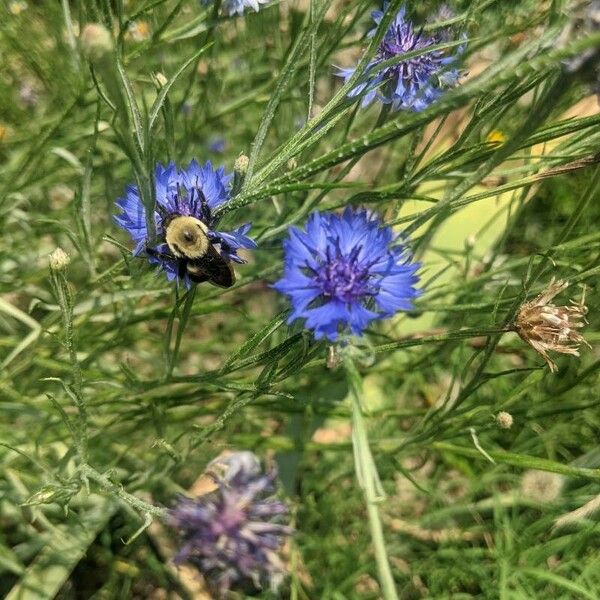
189	244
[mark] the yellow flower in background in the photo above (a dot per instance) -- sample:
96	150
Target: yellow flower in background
4	132
496	137
139	31
17	7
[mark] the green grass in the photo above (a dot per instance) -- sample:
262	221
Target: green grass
116	389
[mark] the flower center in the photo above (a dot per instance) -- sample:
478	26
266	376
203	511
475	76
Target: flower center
400	40
230	521
192	202
343	277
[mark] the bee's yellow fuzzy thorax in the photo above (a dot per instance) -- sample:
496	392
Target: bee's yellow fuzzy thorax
187	237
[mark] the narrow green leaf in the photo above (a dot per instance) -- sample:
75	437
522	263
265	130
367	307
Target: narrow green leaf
291	64
558	580
132	105
522	461
30	338
68	544
255	340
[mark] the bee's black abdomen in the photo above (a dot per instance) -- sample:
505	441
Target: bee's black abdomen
212	268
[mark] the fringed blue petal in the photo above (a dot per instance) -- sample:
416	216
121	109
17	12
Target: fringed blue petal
411	84
344	271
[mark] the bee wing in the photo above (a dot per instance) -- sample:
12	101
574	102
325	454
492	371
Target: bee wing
212	267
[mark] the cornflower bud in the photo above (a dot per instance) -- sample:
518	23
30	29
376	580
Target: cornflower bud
241	164
504	420
58	259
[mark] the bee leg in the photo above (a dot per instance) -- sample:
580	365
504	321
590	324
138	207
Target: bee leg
162	213
181	264
181	270
204	208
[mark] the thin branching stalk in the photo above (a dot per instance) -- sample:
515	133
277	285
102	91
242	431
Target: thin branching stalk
368	480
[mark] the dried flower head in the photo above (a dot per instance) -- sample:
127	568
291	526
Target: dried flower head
233	533
541	486
545	326
413	83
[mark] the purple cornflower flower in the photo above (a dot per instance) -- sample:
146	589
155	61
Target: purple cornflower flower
413	83
344	271
233	534
195	191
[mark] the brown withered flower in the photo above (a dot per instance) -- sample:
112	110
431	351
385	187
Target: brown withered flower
547	327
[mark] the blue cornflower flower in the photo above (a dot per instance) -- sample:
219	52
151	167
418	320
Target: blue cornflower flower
238	6
195	191
233	533
344	271
217	144
585	23
232	7
410	84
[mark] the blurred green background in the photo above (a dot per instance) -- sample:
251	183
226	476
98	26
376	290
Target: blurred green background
497	186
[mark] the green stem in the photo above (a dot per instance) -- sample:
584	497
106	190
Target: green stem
117	490
184	317
70	33
63	295
368	479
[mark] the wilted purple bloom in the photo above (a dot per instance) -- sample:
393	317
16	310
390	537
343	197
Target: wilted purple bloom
345	271
233	534
195	191
413	83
